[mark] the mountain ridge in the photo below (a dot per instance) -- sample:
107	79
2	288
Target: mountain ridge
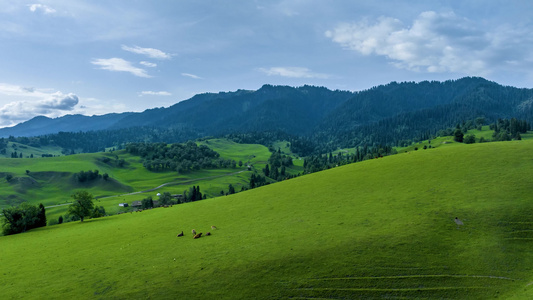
385	114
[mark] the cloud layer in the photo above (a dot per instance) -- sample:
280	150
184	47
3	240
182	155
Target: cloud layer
119	65
293	72
30	102
150	52
42	8
152	93
435	42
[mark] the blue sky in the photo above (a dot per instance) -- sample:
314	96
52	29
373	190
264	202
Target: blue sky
62	57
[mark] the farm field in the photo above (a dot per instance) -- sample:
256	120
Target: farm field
382	228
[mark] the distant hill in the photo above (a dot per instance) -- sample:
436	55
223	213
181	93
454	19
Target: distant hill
385	114
70	123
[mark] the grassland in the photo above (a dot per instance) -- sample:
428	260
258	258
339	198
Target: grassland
51	180
378	229
29	151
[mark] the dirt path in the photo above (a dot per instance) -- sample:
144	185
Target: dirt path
156	188
175	183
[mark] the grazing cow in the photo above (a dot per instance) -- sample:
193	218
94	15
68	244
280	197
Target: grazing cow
213	227
208	233
197	236
458	222
193	232
180	234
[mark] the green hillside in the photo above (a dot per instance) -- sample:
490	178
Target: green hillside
379	229
51	180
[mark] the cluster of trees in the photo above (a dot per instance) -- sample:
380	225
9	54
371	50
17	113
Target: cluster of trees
277	164
506	130
85	176
193	194
257	180
82	207
22	218
178	157
316	163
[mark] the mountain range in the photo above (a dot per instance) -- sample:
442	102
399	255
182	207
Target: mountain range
385	114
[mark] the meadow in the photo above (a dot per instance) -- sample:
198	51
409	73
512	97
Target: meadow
378	229
51	180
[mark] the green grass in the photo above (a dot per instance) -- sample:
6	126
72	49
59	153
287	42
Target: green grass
27	151
50	180
378	229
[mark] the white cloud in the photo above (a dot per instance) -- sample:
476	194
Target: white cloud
26	103
59	101
41	7
293	72
119	65
191	75
150	52
148	64
152	93
435	42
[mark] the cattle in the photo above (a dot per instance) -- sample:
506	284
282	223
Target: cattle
208	233
180	234
458	222
197	236
193	232
213	227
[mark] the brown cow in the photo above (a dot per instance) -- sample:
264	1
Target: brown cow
180	234
197	236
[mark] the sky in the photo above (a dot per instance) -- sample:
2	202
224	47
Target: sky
94	57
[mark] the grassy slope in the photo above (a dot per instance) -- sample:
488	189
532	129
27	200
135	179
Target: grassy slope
50	180
27	151
377	229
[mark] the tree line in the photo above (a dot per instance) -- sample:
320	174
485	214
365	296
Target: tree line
22	218
178	157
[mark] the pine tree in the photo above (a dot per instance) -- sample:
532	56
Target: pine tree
42	216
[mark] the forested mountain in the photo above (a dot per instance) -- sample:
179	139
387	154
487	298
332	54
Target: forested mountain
70	123
315	117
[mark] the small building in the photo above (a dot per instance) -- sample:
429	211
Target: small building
123	204
136	204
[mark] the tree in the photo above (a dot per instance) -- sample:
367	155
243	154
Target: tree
165	199
41	222
99	211
231	189
266	171
147	203
60	220
82	206
458	135
20	218
469	139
